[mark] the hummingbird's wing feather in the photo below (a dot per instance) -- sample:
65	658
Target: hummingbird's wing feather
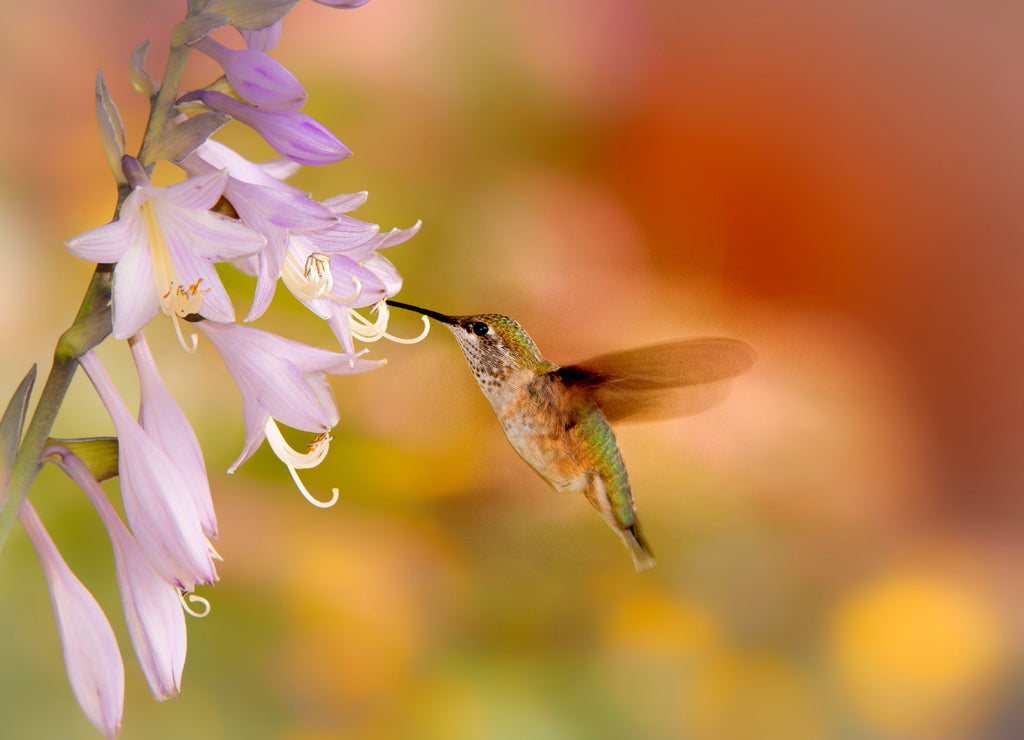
660	381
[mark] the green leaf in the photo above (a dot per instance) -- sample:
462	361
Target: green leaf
10	429
111	128
142	80
251	15
192	29
184	137
98	453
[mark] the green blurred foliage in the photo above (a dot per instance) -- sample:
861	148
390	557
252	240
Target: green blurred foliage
838	549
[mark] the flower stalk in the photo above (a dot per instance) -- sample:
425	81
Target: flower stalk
91	326
159	255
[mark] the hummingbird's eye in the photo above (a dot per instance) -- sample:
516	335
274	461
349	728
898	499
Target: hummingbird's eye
480	328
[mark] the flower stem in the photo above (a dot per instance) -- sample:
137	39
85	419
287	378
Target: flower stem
162	108
93	323
91	326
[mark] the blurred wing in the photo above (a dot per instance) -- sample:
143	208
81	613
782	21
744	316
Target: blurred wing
660	381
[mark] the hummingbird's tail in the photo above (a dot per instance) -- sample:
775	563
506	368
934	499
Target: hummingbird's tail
643	559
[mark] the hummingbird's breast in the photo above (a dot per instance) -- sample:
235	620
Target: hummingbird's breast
550	430
566	439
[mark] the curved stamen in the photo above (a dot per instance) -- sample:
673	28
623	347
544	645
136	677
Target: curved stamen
314	279
193	599
314	455
178	303
358	290
371	331
190	346
317	275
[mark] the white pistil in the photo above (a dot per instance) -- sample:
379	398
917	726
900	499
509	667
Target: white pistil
293	460
194	599
371	331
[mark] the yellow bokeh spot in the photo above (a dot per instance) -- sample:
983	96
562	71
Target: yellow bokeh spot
754	694
915	653
657	624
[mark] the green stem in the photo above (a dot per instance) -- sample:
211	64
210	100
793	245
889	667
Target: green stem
162	108
91	326
93	323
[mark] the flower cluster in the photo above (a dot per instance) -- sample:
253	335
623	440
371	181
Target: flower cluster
163	247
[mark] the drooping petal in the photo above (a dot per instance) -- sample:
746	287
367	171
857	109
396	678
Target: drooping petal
91	656
256	77
280	378
162	514
152	614
152	610
164	421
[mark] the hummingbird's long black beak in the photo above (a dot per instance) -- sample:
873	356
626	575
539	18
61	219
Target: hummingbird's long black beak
425	311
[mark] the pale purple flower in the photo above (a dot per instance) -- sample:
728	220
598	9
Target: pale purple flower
268	206
152	606
165	422
214	156
165	244
157	504
282	380
321	268
91	655
292	134
256	77
327	259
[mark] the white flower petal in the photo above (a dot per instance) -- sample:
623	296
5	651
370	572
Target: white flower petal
196	193
91	656
135	300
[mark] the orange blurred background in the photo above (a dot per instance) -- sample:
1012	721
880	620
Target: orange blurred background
839	543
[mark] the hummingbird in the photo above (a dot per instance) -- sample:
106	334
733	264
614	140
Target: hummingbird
558	418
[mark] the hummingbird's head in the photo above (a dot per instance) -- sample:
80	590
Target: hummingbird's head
494	345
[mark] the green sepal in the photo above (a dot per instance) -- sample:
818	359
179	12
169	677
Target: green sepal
192	29
111	129
98	453
141	80
182	139
10	429
251	15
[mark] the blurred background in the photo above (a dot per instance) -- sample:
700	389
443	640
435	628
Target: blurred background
839	543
